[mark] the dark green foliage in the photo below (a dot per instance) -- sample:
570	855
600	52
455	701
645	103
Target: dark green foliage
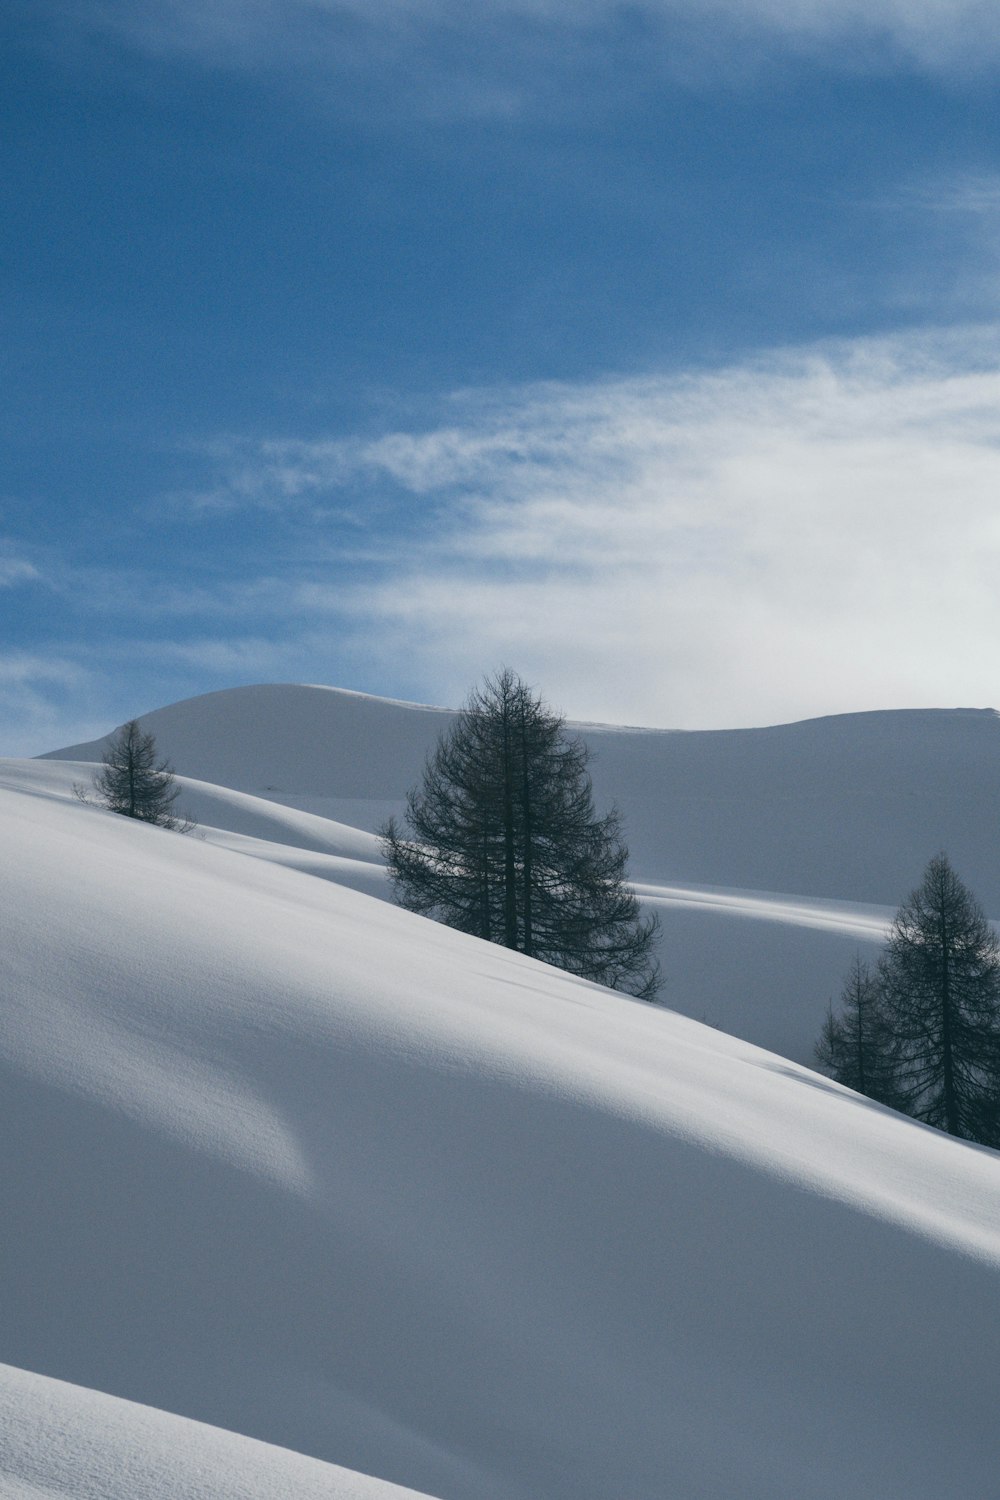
131	780
502	841
941	981
923	1032
856	1046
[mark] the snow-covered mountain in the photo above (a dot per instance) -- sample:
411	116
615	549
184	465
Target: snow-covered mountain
288	1161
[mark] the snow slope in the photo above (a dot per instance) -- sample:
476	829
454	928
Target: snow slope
849	807
289	1161
58	1440
235	820
759	965
773	855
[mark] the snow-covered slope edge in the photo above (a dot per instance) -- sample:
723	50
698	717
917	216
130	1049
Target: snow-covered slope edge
234	820
58	1440
290	1161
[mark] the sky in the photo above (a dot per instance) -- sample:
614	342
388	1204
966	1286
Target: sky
650	349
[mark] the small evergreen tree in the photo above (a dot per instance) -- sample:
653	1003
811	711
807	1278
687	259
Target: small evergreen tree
131	780
502	841
855	1046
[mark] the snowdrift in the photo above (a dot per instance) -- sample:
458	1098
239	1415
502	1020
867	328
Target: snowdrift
288	1161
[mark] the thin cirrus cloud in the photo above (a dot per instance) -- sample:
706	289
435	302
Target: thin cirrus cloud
976	194
808	532
934	34
16	570
33	691
952	220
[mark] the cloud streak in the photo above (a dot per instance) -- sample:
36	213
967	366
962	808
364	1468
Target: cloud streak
807	532
936	35
34	692
16	570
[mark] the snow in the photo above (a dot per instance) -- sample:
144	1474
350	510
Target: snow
59	1440
290	1162
849	807
815	830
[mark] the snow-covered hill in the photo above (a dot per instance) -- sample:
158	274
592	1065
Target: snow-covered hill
849	807
758	965
773	855
284	1159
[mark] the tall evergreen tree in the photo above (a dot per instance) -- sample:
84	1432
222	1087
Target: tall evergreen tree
131	780
941	980
502	841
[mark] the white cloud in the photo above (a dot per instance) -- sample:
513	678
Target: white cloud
973	193
935	33
805	533
809	531
232	657
15	570
22	670
270	475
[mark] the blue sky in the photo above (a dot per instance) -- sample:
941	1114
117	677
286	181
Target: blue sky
650	349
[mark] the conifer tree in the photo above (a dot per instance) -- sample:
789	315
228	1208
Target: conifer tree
856	1046
941	981
131	780
502	841
923	1032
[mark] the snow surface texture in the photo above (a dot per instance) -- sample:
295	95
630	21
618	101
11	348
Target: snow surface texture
58	1440
773	855
289	1161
